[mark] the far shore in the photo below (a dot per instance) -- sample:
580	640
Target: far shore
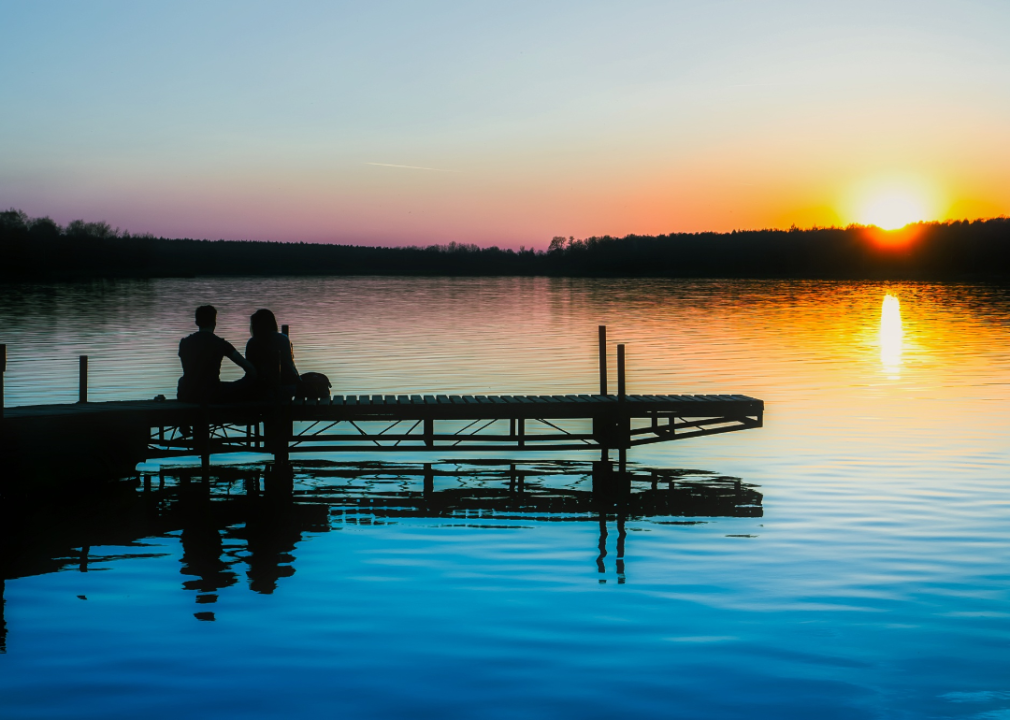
38	249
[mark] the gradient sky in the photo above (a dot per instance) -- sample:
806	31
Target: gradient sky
500	123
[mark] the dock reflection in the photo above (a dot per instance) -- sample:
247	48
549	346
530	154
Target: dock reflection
244	524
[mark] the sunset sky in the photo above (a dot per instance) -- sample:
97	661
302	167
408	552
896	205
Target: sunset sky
502	123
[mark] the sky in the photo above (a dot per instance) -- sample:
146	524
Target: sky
410	123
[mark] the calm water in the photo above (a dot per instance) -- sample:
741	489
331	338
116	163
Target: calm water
851	559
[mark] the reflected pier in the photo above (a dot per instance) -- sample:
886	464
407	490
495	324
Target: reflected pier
244	525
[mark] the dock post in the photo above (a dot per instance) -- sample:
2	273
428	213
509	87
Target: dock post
620	372
603	359
3	370
623	420
521	429
429	481
284	330
82	389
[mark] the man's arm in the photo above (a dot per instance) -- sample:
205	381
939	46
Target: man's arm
237	358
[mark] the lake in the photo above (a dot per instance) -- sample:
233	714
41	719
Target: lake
850	559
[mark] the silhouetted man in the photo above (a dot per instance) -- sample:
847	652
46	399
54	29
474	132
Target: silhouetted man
201	354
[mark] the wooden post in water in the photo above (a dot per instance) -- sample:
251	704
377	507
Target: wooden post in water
621	387
624	423
603	359
3	369
284	329
429	481
82	389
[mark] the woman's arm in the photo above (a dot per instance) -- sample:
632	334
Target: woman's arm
236	357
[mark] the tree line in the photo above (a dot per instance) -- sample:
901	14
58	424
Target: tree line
40	249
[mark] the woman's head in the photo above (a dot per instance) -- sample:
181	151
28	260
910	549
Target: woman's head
263	322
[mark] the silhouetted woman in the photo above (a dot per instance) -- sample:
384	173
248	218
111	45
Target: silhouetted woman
271	354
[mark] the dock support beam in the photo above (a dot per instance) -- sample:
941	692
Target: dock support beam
285	427
82	385
201	439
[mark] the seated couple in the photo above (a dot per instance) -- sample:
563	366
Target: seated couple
269	362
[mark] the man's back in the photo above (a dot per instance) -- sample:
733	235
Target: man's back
201	354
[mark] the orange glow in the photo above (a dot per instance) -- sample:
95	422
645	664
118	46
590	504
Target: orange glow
893	239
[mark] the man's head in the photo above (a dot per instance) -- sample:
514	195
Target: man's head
206	317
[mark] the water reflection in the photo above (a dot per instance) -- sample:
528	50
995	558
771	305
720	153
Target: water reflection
247	518
891	335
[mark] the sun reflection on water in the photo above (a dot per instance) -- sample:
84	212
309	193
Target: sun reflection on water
891	335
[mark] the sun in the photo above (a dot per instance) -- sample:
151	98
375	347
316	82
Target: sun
893	209
891	203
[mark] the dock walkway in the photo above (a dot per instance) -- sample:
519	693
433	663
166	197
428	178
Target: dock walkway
144	430
117	435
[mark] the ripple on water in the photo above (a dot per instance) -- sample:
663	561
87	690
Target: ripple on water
873	583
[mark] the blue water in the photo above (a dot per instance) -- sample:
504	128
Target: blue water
871	580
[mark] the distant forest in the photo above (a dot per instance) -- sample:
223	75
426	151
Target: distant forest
33	249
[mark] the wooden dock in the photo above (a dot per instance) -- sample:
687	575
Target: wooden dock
117	435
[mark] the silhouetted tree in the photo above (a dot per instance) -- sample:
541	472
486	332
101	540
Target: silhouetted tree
40	248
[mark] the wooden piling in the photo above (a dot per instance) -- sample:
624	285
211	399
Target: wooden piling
603	359
82	385
620	372
284	329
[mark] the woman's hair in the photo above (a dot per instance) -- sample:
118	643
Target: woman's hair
263	322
